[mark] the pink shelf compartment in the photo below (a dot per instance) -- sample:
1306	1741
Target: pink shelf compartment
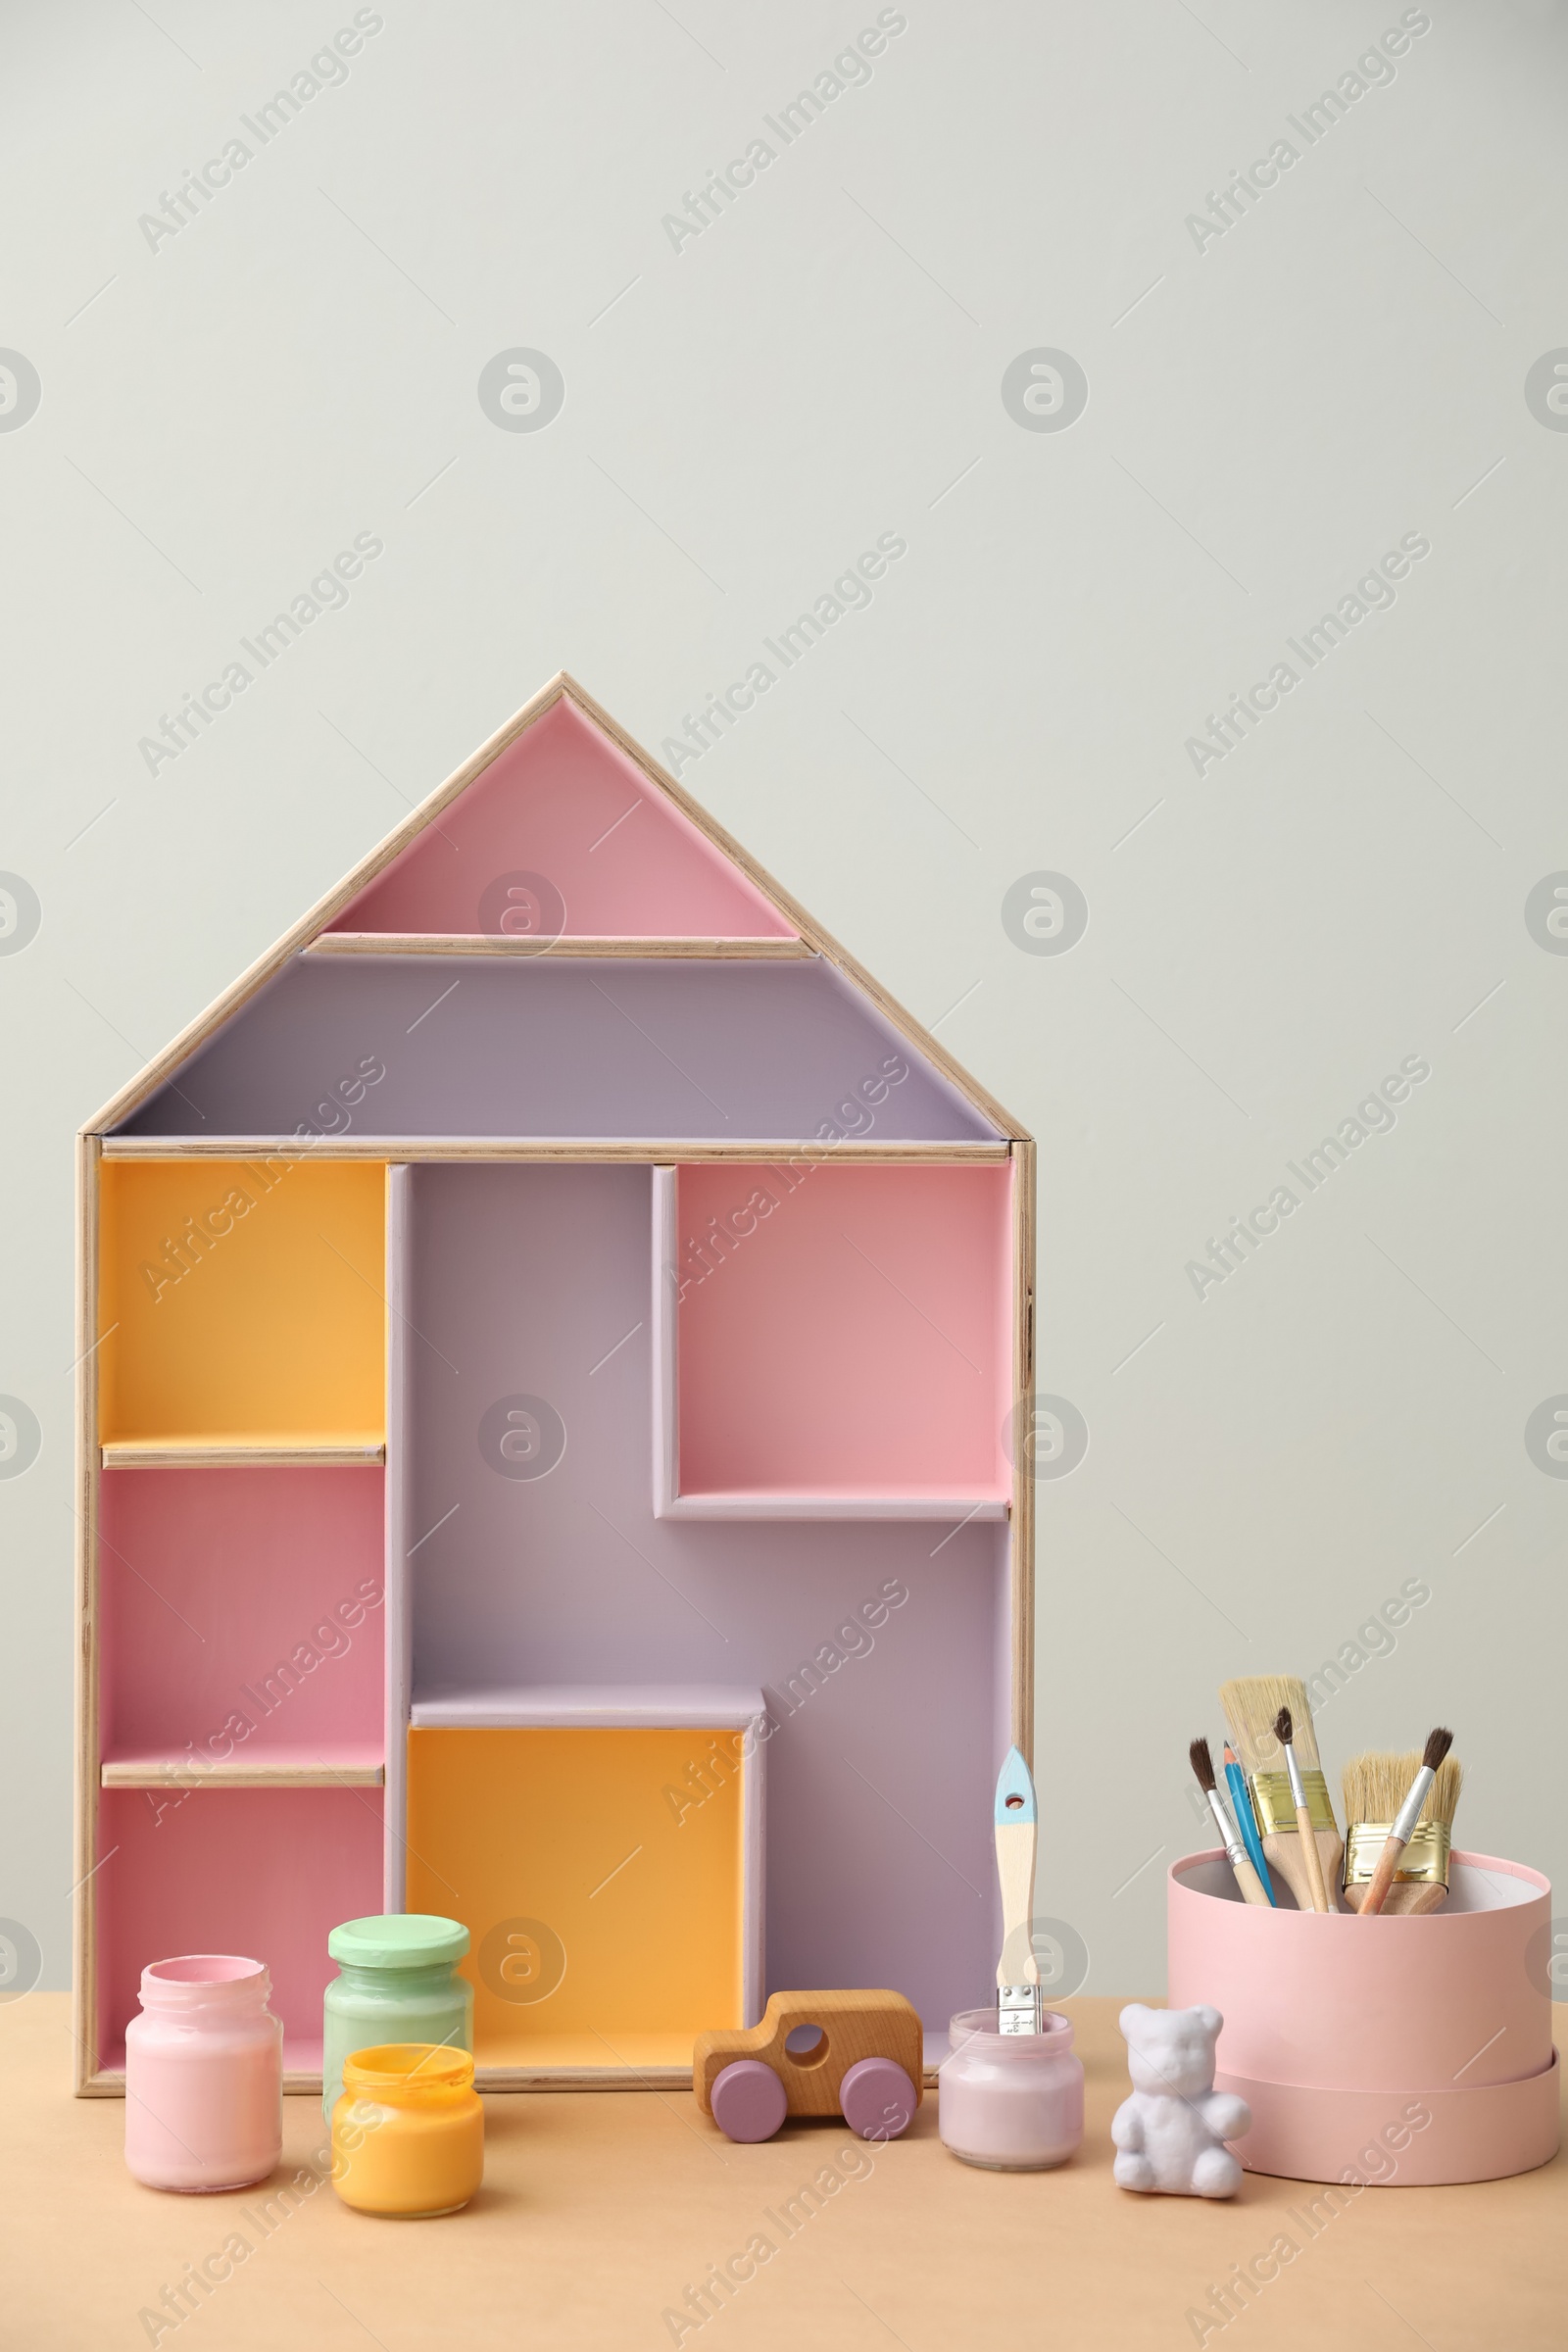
264	1872
844	1355
217	1588
564	804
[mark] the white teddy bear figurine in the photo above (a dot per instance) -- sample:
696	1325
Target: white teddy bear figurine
1171	2135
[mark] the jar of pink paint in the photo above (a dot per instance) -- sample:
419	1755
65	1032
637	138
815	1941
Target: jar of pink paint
204	2075
1013	2102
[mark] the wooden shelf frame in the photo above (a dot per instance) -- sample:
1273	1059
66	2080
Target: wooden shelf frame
98	1139
108	2082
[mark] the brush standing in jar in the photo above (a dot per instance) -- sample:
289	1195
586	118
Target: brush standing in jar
1017	1970
1247	1878
1403	1827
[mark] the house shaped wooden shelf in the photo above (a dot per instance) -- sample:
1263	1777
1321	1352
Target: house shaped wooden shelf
549	1341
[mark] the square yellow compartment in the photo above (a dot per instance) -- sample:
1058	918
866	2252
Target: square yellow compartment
606	1919
242	1301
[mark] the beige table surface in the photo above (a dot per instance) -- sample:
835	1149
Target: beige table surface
599	2209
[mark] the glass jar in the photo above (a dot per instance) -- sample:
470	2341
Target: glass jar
408	2134
204	2075
1013	2102
396	1982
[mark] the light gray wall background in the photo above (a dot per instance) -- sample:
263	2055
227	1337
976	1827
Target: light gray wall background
1269	411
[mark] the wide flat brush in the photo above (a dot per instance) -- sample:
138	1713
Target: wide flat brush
1375	1785
1403	1826
1017	1970
1252	1710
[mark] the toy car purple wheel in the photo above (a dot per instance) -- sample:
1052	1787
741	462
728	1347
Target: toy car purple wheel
748	2101
877	2098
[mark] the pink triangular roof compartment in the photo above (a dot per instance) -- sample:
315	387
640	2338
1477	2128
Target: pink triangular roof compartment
566	833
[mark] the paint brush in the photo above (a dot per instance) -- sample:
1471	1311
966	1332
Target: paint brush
1246	1819
1375	1787
1017	1970
1252	1706
1402	1826
1247	1878
1285	1734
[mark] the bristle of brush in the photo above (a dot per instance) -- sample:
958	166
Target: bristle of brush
1251	1703
1284	1729
1376	1786
1444	1792
1437	1748
1201	1762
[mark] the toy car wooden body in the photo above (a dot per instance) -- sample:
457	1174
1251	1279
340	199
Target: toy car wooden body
865	2065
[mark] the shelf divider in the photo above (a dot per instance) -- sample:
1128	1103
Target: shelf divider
284	1768
238	1453
468	943
400	1536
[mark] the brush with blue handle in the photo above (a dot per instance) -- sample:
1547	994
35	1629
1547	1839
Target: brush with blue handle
1246	1819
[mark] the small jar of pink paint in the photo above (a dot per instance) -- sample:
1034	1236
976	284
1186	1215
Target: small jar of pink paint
204	2075
1012	2102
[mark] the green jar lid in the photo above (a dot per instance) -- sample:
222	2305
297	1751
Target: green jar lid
402	1940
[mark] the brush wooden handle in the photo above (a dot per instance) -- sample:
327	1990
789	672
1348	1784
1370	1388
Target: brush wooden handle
1283	1852
1015	1869
1412	1899
1312	1859
1251	1885
1382	1879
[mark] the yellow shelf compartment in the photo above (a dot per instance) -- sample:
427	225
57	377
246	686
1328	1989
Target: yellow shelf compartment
611	1923
241	1304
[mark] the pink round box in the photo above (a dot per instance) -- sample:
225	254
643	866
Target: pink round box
1402	2052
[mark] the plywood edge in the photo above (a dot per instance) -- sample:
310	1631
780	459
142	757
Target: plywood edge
467	943
1022	1540
135	1453
108	2083
416	1148
85	1971
978	1097
583	2078
174	1775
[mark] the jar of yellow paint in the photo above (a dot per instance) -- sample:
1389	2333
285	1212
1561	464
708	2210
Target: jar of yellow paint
408	2134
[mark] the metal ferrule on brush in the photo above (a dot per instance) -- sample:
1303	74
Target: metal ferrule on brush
1424	1861
1235	1850
1410	1813
1274	1797
1018	2009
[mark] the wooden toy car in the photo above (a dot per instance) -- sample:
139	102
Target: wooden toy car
864	2064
